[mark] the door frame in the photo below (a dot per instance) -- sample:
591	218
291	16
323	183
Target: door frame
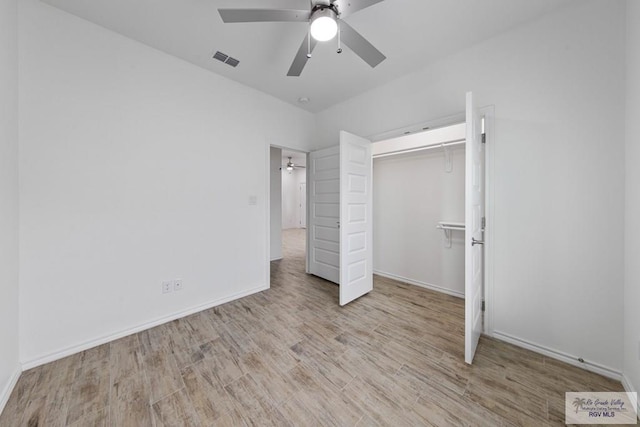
267	267
488	113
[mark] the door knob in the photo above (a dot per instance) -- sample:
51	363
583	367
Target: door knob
476	242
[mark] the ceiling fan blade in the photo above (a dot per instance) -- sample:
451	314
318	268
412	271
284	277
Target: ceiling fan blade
301	57
360	45
263	15
347	7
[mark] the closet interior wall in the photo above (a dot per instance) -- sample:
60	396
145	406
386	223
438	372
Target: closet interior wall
412	193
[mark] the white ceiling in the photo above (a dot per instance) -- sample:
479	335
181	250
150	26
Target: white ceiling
411	33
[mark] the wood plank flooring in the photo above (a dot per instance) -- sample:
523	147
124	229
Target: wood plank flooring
290	356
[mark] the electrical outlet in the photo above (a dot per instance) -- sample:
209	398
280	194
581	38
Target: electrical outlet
177	285
167	286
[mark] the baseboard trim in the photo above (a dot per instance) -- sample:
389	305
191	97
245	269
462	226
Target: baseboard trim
560	355
6	392
139	328
418	283
628	387
276	259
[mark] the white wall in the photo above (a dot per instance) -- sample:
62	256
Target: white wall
9	366
291	212
411	194
275	195
129	177
632	227
558	89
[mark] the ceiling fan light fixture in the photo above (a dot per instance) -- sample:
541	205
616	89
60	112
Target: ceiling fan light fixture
324	25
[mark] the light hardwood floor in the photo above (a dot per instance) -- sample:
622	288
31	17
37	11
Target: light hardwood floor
290	356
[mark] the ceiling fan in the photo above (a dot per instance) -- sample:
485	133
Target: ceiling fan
325	18
291	166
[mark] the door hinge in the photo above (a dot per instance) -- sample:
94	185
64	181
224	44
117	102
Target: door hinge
483	306
484	222
484	138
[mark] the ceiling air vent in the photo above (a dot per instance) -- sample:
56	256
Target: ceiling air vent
226	59
232	61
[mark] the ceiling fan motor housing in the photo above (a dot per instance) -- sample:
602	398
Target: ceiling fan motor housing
324	22
324	7
323	2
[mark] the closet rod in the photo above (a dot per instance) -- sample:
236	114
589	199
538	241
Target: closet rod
426	147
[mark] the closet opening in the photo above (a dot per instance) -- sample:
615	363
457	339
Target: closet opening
419	209
420	214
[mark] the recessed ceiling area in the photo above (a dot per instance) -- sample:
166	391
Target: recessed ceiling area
411	33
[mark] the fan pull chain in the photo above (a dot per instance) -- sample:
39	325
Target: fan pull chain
339	42
309	43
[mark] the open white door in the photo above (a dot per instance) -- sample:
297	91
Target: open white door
474	212
356	223
323	235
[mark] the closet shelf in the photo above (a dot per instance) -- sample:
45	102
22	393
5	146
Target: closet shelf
447	225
